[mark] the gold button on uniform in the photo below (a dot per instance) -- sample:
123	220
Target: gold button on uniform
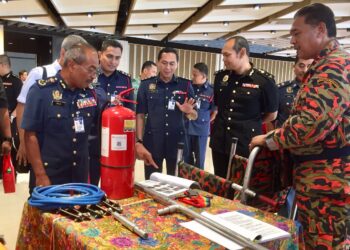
58	115
74	139
46	164
74	163
74	152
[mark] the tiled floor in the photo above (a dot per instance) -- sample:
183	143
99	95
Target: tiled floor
11	204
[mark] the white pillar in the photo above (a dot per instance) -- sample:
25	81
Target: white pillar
124	62
2	40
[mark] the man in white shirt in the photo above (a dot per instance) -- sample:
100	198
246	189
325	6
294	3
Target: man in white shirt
37	74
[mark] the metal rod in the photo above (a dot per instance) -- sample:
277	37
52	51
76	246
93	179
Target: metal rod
232	154
248	173
130	225
174	206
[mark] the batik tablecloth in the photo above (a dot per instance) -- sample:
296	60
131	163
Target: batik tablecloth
40	230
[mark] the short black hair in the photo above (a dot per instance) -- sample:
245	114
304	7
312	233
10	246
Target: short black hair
168	50
4	59
111	43
147	64
201	67
240	43
22	72
317	13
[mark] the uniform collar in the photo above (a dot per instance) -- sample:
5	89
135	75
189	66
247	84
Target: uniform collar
104	75
63	84
7	75
173	79
331	46
205	85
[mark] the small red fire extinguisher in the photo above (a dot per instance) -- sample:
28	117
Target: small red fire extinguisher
118	150
8	174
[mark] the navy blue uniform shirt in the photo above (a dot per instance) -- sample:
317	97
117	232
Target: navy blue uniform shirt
164	128
13	86
204	95
241	101
50	112
287	92
111	85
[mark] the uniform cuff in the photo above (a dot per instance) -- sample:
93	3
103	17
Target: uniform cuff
270	143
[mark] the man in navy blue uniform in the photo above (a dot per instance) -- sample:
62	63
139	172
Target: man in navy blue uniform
110	83
166	99
289	89
246	97
197	131
57	120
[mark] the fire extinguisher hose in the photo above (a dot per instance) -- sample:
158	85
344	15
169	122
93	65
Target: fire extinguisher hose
65	195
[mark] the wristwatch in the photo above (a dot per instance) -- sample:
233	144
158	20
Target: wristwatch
139	141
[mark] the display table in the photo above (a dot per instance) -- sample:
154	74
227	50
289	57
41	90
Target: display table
40	230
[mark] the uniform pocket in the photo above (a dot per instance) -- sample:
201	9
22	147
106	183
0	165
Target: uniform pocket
57	117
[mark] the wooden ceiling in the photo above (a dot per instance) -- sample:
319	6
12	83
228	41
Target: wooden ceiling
265	23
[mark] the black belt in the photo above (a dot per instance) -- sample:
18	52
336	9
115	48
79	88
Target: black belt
327	154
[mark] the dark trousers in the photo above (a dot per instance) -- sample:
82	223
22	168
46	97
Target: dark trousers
170	166
94	169
195	154
220	162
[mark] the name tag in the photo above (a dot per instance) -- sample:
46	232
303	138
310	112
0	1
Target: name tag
198	103
250	85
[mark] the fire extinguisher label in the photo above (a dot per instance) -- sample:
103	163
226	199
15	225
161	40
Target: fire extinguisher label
118	142
105	142
129	125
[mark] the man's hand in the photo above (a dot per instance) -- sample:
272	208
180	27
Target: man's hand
187	106
21	156
143	154
259	140
42	180
5	147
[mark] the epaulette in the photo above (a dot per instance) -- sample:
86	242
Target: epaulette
265	74
284	84
46	82
219	71
14	75
149	78
124	73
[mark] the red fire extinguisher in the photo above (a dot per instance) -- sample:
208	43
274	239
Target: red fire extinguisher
8	174
118	150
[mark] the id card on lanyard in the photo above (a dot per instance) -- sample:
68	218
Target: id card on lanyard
79	124
171	104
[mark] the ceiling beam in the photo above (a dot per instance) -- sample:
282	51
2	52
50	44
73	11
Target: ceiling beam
123	14
132	5
278	14
200	13
52	12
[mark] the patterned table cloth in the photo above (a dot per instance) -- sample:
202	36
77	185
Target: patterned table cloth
40	230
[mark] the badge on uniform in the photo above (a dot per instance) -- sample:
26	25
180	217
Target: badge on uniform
250	85
224	80
171	104
86	102
79	124
57	98
152	87
289	90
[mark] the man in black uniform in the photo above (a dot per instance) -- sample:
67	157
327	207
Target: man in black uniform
289	89
246	97
12	85
5	128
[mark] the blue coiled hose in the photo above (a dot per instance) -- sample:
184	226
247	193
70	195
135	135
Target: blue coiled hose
59	196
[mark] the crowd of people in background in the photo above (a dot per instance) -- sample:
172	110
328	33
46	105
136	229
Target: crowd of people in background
53	112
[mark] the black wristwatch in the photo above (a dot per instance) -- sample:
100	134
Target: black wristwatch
139	141
8	139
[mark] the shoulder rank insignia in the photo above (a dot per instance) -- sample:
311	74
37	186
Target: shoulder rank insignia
124	73
56	95
42	82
